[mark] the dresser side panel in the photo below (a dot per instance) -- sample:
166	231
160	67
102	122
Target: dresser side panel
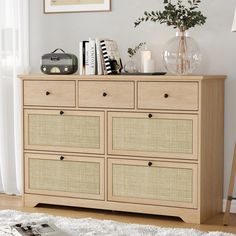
212	148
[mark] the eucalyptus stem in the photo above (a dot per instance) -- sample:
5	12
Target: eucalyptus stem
176	15
133	51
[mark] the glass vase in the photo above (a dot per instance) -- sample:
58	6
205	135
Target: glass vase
131	66
181	54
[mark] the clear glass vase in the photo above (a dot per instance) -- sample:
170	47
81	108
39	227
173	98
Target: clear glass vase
181	55
131	66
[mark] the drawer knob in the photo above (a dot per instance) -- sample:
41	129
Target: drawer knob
149	115
47	93
61	113
62	158
149	163
104	94
166	95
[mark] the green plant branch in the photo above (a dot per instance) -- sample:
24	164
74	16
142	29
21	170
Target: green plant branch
133	51
176	15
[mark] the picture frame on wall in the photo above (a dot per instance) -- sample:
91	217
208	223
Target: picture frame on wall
60	6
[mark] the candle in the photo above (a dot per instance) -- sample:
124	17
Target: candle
149	66
145	55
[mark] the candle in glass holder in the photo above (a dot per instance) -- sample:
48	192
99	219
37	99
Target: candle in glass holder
145	55
149	66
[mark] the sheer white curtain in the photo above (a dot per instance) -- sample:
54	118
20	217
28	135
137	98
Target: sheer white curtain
14	60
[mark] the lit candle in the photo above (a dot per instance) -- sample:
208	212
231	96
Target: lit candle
145	55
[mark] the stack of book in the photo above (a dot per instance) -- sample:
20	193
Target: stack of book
99	57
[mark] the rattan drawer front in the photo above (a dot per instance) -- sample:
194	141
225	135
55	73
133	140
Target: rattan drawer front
73	131
49	93
158	183
67	176
168	95
162	135
104	94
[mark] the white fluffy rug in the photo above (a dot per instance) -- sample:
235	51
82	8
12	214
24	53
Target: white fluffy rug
92	227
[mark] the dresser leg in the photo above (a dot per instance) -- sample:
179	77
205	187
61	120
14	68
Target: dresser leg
191	219
29	203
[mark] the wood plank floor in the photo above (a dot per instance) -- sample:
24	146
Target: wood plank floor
215	224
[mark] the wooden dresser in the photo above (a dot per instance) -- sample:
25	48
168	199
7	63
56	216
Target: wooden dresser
125	143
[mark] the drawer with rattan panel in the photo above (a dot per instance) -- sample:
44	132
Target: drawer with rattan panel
153	134
64	176
70	131
152	182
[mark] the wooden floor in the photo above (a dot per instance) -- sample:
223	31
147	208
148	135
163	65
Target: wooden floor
215	224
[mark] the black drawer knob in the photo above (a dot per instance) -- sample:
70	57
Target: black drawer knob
104	94
62	158
47	93
166	95
149	115
149	163
61	113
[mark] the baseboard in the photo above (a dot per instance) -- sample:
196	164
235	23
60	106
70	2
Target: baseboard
233	206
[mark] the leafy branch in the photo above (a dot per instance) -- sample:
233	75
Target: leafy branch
176	15
133	51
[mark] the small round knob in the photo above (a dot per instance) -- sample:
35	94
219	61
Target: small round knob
61	113
150	115
166	95
149	163
104	94
47	93
62	158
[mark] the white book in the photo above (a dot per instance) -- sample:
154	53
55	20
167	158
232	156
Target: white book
87	69
81	68
91	57
98	57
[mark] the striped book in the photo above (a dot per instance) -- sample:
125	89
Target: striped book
105	57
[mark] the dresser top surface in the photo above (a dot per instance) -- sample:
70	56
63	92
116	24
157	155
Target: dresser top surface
122	77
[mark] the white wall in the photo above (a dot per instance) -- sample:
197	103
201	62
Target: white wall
215	39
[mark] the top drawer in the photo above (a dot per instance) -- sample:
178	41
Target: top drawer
168	95
103	94
49	93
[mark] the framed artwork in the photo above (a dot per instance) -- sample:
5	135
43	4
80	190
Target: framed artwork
60	6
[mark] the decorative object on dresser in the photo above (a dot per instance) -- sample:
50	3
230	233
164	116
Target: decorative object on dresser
60	6
131	66
59	63
99	57
181	54
127	143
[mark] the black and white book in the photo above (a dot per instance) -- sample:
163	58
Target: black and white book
82	57
111	53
